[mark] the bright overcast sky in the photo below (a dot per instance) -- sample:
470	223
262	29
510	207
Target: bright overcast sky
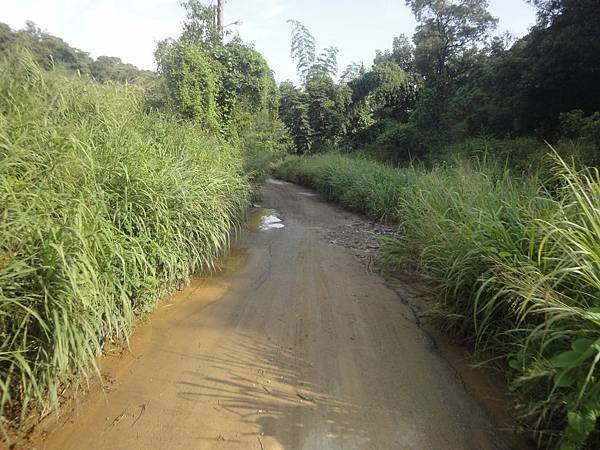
130	29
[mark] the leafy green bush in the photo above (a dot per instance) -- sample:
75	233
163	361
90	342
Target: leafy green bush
247	82
104	209
516	268
191	82
265	140
396	142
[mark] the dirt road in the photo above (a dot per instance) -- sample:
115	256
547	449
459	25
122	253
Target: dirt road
295	345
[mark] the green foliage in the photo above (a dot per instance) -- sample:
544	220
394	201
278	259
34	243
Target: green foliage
352	71
212	85
402	54
303	52
575	125
393	142
516	270
108	68
315	117
303	48
265	141
447	34
246	81
200	27
327	62
105	209
550	71
327	104
293	109
190	80
389	91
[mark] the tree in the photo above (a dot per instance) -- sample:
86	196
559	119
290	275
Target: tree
327	62
448	34
389	91
403	54
560	63
303	48
327	110
110	68
303	52
293	110
548	10
352	71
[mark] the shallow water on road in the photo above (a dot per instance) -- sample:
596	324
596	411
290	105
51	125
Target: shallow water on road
264	219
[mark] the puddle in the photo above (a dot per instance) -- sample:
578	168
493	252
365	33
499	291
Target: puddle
274	181
264	219
271	221
307	194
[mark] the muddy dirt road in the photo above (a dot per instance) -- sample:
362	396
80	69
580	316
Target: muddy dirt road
295	345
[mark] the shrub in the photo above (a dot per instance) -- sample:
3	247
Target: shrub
394	142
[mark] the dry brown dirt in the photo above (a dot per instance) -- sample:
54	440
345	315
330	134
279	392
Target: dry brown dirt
295	344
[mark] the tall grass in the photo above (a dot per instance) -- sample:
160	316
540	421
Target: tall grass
103	209
517	270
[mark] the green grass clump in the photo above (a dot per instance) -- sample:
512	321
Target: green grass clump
103	210
516	266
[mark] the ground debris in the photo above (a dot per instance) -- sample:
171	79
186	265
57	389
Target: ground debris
304	397
362	236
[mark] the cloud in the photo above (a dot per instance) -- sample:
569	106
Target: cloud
274	11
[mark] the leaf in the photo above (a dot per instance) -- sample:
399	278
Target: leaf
582	423
592	314
515	364
565	359
582	345
565	378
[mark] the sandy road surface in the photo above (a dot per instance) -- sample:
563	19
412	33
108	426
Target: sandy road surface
293	346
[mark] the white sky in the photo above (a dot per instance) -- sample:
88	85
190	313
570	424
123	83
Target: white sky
130	29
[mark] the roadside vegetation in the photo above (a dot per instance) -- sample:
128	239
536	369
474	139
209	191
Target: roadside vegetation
514	264
118	184
113	194
483	150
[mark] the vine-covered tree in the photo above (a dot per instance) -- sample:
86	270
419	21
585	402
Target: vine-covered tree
200	27
190	81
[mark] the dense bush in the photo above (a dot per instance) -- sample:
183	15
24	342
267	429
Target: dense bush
247	82
191	82
516	270
104	209
395	142
265	141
